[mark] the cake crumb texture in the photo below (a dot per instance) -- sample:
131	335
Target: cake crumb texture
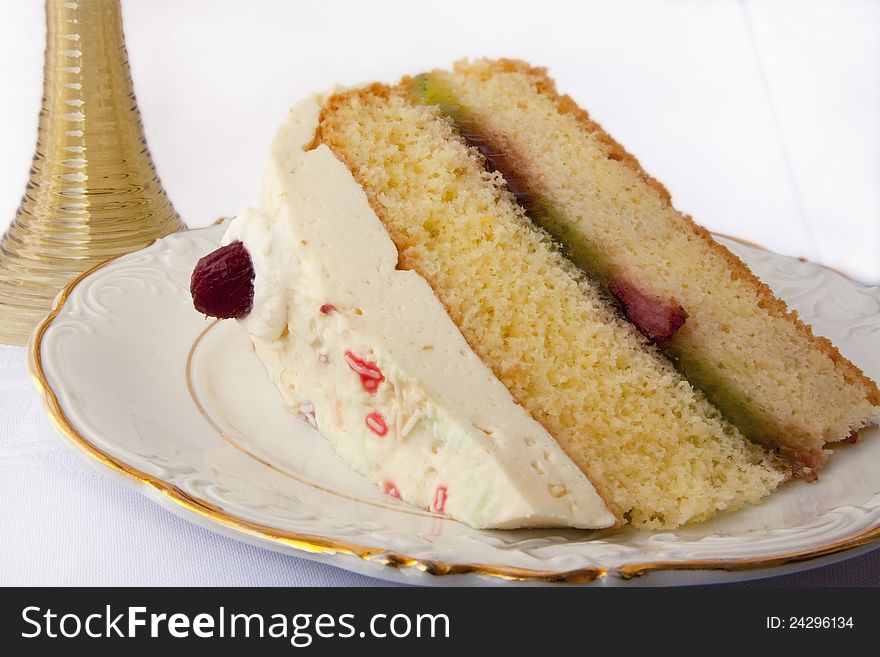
656	450
761	365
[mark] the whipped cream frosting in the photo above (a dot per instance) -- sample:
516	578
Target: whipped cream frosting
369	356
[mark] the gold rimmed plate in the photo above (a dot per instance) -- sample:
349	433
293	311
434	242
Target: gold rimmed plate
179	407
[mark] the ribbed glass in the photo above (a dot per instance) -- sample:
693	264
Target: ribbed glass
93	192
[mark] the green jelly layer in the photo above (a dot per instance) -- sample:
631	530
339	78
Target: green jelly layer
577	248
733	403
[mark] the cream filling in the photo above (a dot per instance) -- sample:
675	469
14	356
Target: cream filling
368	354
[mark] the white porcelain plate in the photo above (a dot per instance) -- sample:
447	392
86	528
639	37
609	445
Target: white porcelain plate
180	407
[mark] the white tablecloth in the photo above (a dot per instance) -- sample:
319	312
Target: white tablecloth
760	117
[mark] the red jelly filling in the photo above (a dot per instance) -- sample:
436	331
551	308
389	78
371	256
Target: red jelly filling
656	319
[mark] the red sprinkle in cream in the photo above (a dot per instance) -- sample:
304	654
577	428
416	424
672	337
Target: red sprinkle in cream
390	489
328	308
376	423
440	499
371	375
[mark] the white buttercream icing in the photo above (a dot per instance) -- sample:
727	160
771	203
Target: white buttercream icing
368	354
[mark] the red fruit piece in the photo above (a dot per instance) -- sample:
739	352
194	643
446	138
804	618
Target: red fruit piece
656	319
327	308
440	496
376	424
389	488
371	375
222	283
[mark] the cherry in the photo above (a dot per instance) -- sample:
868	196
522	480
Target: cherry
222	282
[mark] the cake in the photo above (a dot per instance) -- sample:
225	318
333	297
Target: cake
367	354
756	362
492	312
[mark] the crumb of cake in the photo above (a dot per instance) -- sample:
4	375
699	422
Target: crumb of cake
850	439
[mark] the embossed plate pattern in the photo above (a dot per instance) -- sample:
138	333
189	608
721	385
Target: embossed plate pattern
180	407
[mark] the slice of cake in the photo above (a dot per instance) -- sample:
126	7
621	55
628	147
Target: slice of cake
477	343
368	355
739	345
657	452
538	381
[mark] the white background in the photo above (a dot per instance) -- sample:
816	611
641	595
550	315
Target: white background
761	117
